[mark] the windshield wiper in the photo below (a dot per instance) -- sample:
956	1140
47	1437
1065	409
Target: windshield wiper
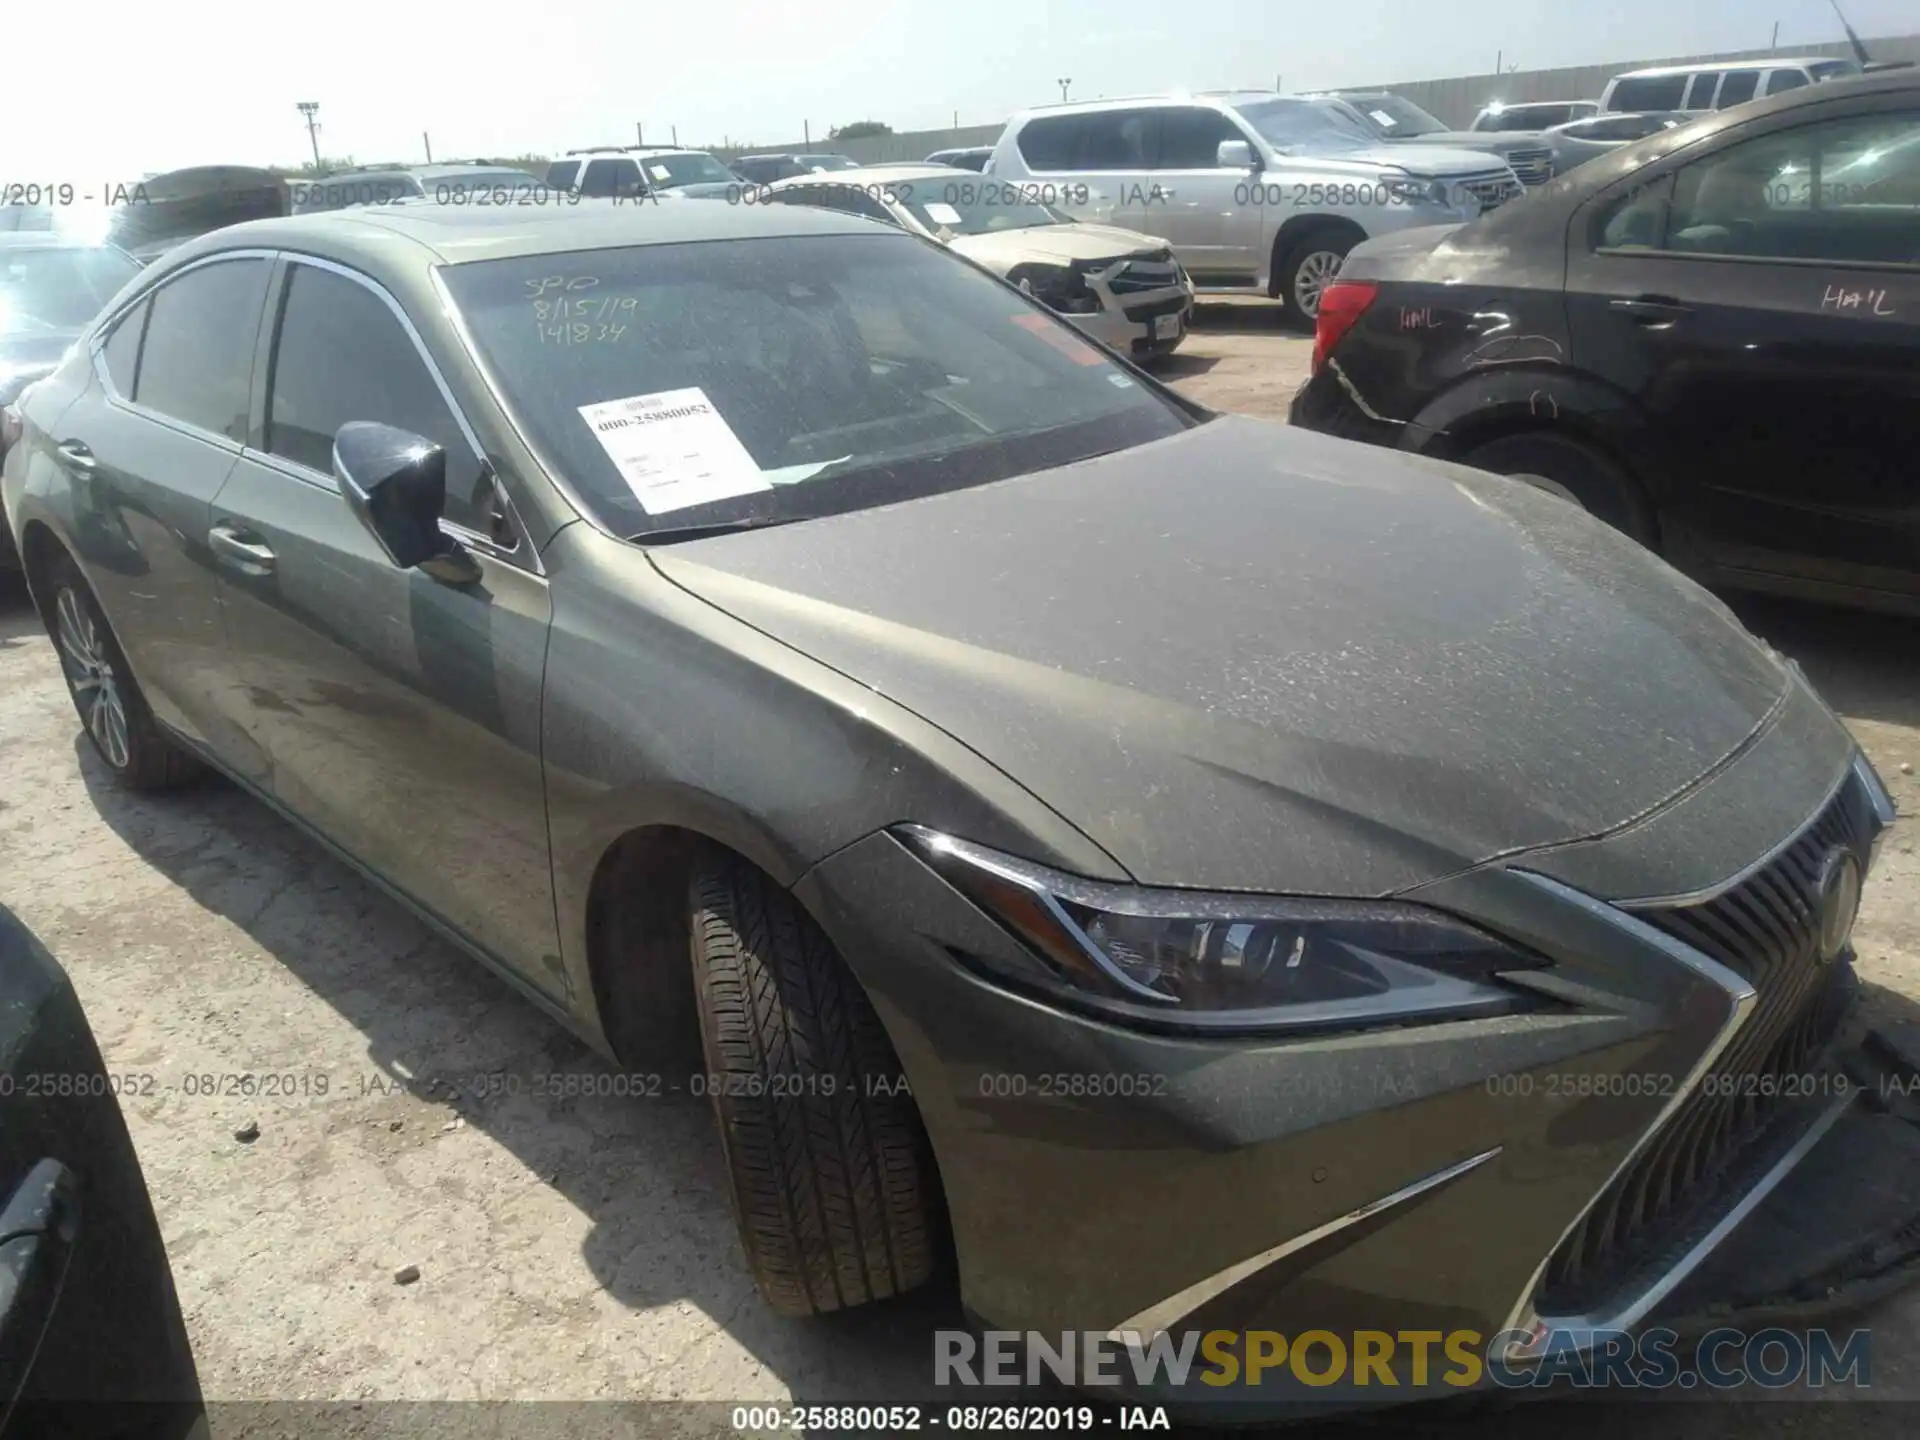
673	534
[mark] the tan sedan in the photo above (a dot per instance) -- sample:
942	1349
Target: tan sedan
1123	288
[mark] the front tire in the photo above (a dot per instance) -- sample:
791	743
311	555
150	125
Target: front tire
827	1169
112	710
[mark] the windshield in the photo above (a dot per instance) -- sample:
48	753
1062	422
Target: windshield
693	168
44	292
1304	125
973	207
788	377
827	162
1394	116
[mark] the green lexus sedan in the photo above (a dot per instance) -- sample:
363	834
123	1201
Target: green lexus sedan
1194	874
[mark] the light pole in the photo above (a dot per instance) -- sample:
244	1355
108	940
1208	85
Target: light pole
310	109
1063	84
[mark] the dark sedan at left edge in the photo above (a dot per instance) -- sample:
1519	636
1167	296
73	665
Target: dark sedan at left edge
1709	338
51	286
1217	877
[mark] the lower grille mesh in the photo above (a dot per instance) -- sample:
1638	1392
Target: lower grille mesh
1766	929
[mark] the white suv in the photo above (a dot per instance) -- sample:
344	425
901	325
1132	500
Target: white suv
1259	193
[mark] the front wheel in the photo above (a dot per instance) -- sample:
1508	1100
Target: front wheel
1309	266
831	1183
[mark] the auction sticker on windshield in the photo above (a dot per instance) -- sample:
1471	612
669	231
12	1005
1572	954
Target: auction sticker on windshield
674	449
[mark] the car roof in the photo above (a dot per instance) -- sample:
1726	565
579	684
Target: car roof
1498	105
461	234
634	150
1778	62
1216	98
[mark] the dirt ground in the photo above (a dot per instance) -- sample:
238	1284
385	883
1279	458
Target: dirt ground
568	1249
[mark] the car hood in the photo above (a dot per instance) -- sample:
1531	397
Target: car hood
1253	658
1504	142
33	352
1003	249
704	190
1420	158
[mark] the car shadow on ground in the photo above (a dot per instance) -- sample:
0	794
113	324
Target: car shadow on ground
1181	365
1266	317
647	1172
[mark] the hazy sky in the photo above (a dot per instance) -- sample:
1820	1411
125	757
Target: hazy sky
130	88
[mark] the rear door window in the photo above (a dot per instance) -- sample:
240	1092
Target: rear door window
1052	142
561	174
1650	92
1739	87
196	364
121	353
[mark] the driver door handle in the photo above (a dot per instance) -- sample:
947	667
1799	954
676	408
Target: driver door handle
75	455
1652	309
247	552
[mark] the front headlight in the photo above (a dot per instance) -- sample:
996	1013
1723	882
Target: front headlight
1057	287
1240	962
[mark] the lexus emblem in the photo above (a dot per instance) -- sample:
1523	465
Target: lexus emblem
1839	901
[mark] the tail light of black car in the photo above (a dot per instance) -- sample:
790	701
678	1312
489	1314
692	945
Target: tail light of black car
1341	304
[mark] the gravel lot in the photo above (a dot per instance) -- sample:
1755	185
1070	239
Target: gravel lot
570	1248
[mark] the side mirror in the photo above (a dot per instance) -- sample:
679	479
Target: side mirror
1236	155
395	483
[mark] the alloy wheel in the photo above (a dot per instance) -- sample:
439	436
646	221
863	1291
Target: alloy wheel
1315	273
90	676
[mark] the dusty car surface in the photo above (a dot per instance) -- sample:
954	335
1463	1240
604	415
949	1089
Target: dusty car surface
1038	810
1119	286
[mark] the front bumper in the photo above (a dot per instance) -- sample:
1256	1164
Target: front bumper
1428	1179
1141	324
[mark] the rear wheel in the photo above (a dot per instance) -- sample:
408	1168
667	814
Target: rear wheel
1572	470
112	710
827	1169
1309	266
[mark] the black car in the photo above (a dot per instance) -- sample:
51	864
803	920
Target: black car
1211	875
1710	338
91	1339
51	285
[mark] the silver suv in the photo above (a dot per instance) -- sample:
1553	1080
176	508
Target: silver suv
1258	192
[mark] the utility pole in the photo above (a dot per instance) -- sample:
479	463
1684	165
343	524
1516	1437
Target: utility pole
1774	44
427	140
1063	84
639	136
806	133
1499	62
676	136
310	109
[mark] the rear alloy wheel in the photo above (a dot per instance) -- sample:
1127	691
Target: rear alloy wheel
1310	265
1572	470
827	1168
112	710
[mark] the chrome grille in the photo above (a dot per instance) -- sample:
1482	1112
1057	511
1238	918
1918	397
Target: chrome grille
1766	929
1136	274
1533	167
1491	190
